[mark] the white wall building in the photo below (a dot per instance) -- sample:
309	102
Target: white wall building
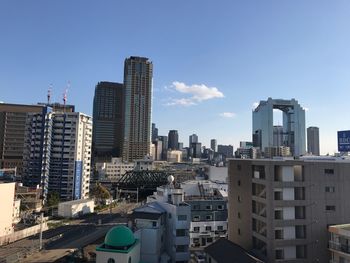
177	223
113	170
7	195
76	208
174	156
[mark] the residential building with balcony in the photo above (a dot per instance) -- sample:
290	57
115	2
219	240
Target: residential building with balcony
208	211
339	243
281	208
178	218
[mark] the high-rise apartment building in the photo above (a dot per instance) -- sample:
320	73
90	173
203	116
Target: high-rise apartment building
173	140
192	139
281	208
12	130
107	135
293	125
313	141
154	132
214	145
138	74
164	140
57	153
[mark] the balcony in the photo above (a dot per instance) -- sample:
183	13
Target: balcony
339	247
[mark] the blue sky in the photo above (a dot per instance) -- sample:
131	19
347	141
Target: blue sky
218	56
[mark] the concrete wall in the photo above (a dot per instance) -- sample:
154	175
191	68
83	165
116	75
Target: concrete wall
7	195
22	234
74	209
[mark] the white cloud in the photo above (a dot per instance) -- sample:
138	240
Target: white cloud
228	114
197	92
181	102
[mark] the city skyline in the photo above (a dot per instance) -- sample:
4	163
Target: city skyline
210	68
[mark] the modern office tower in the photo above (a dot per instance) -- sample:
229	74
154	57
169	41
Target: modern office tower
57	153
313	141
214	145
158	150
107	132
12	129
180	146
138	72
278	139
164	140
226	150
196	149
154	132
282	208
173	140
293	125
193	138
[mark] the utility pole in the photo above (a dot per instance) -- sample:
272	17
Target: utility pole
41	231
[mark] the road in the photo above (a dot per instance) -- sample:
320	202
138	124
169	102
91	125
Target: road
65	239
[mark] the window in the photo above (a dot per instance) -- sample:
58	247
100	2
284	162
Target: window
330	189
129	261
110	260
169	216
279	234
239	215
209	240
154	223
208	217
239	199
196	207
182	217
208	207
278	214
220	207
196	240
196	218
196	229
330	207
239	231
220	228
208	228
181	232
279	253
329	171
181	248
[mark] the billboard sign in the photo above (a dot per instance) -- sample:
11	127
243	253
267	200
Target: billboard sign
344	141
77	179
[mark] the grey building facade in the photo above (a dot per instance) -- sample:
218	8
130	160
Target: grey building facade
138	75
280	209
214	145
313	140
107	135
173	140
293	125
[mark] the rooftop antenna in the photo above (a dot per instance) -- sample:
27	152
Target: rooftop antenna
49	94
65	96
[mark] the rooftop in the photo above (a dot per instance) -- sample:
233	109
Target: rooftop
225	251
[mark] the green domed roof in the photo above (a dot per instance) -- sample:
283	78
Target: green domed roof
119	236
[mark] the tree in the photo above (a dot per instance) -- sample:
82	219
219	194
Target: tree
99	193
53	199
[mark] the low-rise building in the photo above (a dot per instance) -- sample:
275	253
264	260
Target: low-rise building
208	211
7	208
120	246
178	219
114	170
174	156
76	208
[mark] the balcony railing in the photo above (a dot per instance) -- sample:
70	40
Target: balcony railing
340	247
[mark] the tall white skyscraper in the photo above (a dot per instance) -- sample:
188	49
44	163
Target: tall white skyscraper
293	125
